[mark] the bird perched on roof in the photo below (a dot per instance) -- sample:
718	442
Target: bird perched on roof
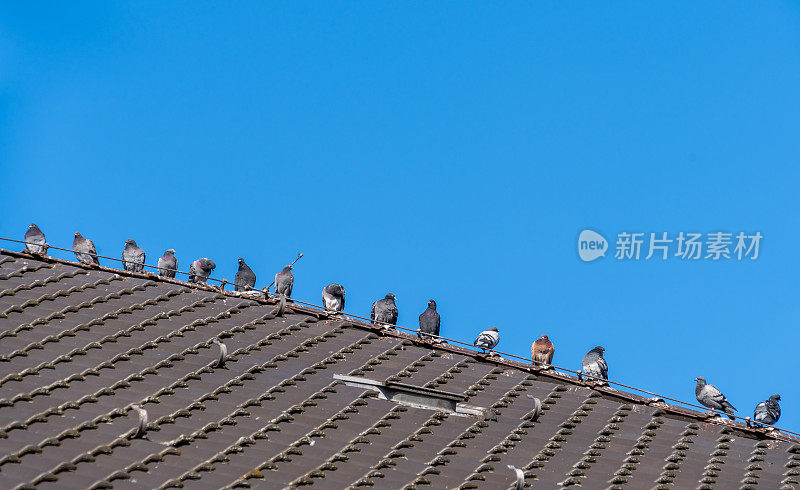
200	270
284	281
488	339
34	239
595	365
245	278
709	396
132	257
384	310
167	264
542	351
333	297
84	250
429	321
768	412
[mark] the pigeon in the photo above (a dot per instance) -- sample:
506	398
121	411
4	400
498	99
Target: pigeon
594	364
168	264
711	397
200	270
384	310
768	412
284	280
132	257
542	351
84	250
488	339
429	321
34	239
245	278
333	297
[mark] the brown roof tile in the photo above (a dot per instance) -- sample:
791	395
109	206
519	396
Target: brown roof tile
79	345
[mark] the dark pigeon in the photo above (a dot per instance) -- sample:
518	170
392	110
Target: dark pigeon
709	396
384	310
542	351
429	321
594	364
333	297
200	270
245	278
488	339
768	412
84	250
132	257
167	264
34	239
284	281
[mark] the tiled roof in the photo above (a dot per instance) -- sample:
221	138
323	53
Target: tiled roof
80	345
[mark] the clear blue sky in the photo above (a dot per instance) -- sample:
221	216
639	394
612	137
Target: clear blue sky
436	150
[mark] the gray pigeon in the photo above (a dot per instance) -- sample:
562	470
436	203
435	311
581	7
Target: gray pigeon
768	412
333	297
168	264
594	364
34	239
384	310
200	270
429	321
245	278
132	257
709	396
84	250
284	281
488	339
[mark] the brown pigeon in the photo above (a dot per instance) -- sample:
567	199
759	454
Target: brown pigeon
542	351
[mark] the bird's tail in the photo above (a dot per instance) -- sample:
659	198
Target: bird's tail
729	409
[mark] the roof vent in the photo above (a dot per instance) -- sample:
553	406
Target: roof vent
416	396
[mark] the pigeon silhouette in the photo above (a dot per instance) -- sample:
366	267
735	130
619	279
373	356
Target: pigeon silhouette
333	297
84	250
34	239
709	396
132	257
245	278
167	264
